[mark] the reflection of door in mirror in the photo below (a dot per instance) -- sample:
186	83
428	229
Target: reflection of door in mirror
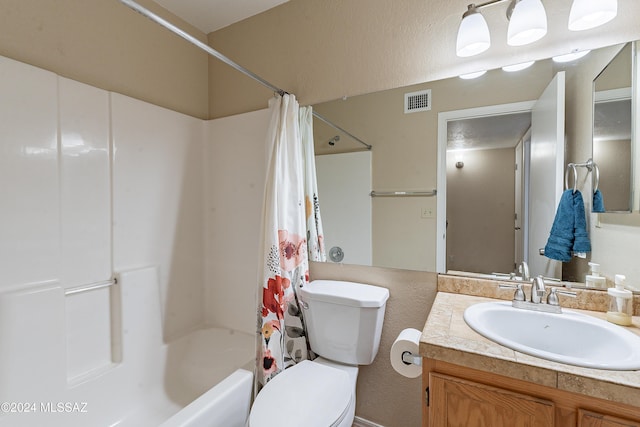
546	174
612	132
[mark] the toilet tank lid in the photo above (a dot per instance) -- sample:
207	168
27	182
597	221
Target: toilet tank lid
345	293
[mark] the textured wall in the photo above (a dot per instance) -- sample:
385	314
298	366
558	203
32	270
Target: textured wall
107	45
323	50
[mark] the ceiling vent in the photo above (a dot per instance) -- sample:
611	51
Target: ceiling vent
417	101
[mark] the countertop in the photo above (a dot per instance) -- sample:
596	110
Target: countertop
447	337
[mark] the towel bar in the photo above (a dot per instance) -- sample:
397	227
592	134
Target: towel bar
403	193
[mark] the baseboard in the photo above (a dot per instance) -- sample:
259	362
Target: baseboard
361	422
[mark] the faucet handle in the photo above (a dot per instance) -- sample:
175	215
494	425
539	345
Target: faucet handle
524	271
518	295
552	299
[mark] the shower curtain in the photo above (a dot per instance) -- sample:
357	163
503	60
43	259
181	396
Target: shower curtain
284	257
315	237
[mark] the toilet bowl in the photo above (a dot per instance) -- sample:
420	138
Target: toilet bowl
344	323
318	393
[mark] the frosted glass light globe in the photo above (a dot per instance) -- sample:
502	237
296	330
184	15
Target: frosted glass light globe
587	14
528	23
473	34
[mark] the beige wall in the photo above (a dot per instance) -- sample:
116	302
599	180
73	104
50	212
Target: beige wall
323	50
480	208
107	45
384	396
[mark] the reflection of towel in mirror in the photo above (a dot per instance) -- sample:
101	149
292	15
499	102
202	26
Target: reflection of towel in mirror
569	231
598	202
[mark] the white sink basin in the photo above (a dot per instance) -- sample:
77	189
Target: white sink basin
570	337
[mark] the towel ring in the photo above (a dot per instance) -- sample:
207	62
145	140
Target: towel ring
575	177
591	167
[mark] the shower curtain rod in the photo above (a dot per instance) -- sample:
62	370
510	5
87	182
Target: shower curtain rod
208	49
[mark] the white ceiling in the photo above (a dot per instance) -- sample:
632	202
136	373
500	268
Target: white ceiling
488	132
211	15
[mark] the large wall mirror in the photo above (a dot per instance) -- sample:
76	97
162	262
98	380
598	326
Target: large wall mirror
404	166
612	133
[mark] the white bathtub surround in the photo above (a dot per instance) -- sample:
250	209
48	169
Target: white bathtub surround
96	182
234	186
344	180
29	235
158	204
152	382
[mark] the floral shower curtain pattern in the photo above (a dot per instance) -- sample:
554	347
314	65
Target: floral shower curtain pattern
315	237
285	265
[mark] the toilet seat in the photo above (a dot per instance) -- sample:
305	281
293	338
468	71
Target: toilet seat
308	394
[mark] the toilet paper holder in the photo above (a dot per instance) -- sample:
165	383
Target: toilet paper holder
409	358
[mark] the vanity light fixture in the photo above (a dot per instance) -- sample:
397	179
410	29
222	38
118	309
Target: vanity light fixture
518	67
527	23
475	75
572	56
587	14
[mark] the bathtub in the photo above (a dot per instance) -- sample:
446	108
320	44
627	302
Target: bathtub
97	358
204	383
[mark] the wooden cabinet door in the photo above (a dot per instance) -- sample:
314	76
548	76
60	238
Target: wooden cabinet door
459	403
592	419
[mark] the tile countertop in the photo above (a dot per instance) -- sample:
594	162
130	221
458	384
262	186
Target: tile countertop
447	337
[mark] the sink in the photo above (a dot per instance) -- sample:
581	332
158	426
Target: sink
572	338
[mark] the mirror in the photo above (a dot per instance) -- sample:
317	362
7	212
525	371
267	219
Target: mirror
404	157
612	135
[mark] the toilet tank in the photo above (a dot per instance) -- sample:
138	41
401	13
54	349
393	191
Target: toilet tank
344	319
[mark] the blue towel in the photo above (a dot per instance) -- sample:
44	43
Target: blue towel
560	241
581	242
569	230
598	202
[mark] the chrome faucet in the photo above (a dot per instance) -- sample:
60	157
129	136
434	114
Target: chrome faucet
537	290
524	271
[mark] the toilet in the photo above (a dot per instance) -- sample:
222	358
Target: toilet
344	323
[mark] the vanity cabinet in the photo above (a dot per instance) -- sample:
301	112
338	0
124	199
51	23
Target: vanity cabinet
458	396
594	419
456	402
